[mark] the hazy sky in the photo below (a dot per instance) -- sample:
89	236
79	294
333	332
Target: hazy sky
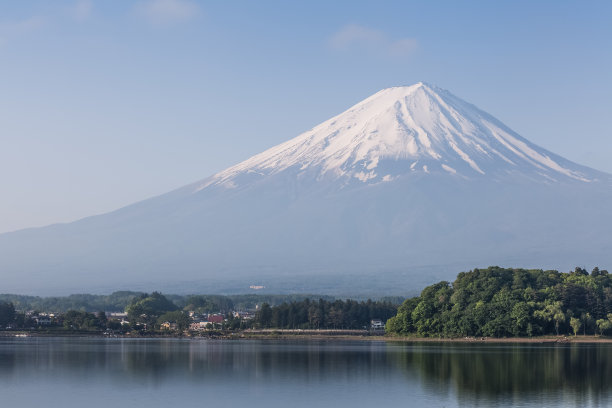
103	103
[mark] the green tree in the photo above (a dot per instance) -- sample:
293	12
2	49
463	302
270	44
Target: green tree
102	320
402	322
521	316
604	325
209	304
178	316
264	315
576	324
552	313
587	322
146	308
7	314
78	320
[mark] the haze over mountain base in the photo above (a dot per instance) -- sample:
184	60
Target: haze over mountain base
406	188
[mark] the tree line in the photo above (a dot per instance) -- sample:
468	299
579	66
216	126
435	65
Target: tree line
154	309
70	320
118	301
502	302
323	314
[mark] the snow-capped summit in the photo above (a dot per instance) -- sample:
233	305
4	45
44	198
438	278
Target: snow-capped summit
406	129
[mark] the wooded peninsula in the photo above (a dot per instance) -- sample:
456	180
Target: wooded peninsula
499	302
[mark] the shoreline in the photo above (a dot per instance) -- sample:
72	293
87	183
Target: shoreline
335	335
460	340
589	339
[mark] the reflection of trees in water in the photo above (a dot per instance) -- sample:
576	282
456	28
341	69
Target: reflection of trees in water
156	361
509	370
43	356
472	371
7	363
285	360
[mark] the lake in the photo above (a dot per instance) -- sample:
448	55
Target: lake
95	372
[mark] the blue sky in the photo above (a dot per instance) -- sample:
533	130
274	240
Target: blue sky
104	103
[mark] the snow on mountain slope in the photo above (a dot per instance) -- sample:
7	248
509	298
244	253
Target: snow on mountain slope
407	187
424	128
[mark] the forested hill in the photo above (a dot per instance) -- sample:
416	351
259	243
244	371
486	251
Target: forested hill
118	301
498	302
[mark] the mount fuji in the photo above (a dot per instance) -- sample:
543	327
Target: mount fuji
407	187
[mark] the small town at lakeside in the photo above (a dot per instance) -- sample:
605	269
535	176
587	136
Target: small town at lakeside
203	315
490	303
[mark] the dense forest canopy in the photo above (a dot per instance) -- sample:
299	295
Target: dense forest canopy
115	302
118	301
152	305
499	302
323	314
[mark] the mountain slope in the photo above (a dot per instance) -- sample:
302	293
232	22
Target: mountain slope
419	128
406	187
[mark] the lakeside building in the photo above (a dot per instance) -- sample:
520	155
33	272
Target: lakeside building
198	326
243	315
216	318
377	324
168	326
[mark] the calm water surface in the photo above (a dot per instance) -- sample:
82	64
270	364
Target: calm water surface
74	372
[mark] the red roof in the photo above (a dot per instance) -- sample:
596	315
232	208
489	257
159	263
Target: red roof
215	318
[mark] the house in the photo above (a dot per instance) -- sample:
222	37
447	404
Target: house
377	324
244	315
42	320
216	318
168	326
199	326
